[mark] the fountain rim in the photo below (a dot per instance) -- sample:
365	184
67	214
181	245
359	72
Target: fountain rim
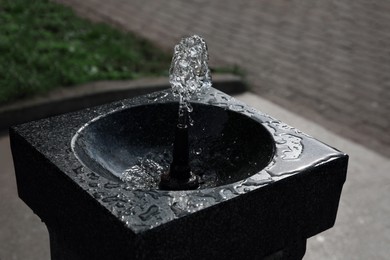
197	101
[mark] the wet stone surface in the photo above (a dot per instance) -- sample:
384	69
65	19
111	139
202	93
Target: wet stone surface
92	176
144	207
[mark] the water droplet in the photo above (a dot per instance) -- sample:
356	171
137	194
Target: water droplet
118	105
250	111
110	199
155	195
225	98
114	198
93	176
149	213
93	184
79	170
156	96
221	104
99	195
237	107
111	185
128	212
226	193
120	204
177	210
198	151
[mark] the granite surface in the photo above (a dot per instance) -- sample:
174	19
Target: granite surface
290	199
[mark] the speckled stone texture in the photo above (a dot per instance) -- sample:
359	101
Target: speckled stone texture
89	216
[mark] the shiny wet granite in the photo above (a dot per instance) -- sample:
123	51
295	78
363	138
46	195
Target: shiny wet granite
276	188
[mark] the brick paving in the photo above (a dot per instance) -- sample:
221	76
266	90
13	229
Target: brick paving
328	61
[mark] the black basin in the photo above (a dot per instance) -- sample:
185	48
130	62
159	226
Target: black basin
226	145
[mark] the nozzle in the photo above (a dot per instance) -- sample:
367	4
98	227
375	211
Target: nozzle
180	176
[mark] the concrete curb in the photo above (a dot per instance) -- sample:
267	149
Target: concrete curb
65	100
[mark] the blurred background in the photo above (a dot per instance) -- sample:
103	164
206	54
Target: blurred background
323	66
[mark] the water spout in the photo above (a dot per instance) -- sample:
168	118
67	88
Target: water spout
189	76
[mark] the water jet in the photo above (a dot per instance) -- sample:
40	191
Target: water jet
189	76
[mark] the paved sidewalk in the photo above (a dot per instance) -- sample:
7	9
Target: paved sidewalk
328	61
362	229
361	232
22	234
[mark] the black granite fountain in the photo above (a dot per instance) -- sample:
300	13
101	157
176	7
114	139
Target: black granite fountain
133	180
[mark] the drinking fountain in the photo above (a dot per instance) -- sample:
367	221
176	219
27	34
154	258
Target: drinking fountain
207	177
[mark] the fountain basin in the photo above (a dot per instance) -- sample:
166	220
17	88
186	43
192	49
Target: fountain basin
283	188
226	145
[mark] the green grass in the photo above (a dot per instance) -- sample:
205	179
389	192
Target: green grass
44	45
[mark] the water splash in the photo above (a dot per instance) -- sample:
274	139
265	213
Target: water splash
145	174
189	74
